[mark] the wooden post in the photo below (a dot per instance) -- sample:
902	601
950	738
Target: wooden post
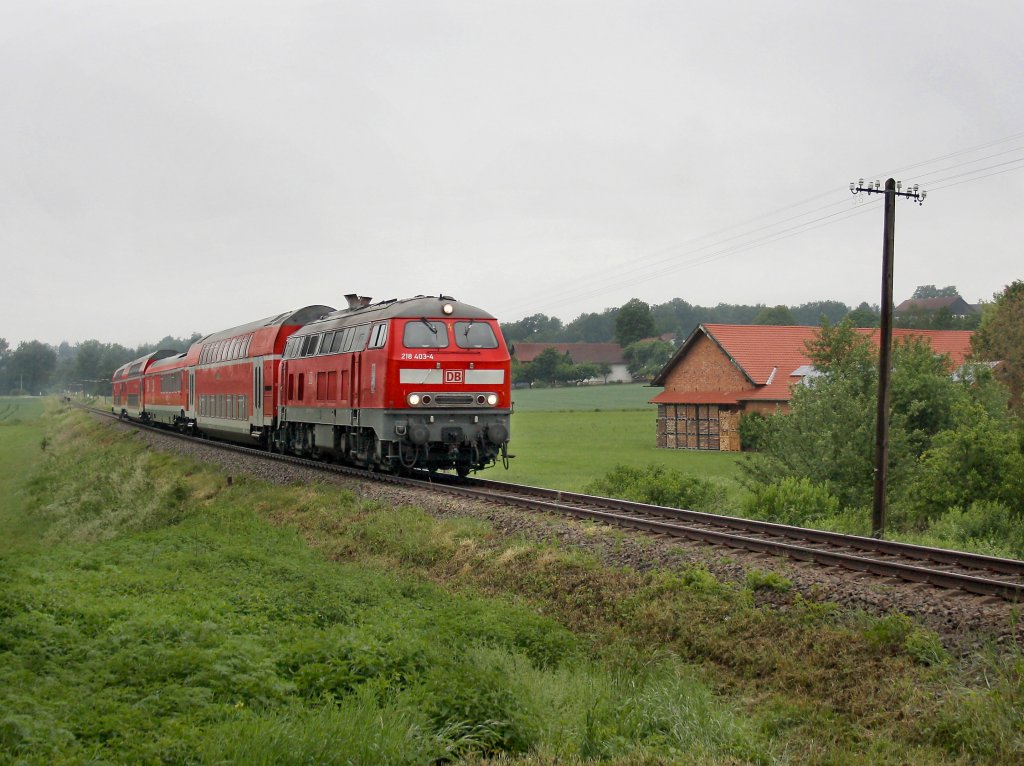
884	365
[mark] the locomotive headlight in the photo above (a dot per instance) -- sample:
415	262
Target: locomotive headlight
492	399
414	400
448	309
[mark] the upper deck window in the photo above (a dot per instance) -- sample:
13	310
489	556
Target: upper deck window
422	333
475	335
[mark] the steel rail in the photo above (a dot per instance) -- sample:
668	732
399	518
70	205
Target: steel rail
972	583
782	540
857	542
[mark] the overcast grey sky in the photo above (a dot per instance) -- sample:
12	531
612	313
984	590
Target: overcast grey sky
175	166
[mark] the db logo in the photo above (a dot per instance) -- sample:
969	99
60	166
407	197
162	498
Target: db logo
454	376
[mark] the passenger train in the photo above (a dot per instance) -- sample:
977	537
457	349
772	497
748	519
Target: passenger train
420	383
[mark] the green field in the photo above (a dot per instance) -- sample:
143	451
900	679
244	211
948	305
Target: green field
565	438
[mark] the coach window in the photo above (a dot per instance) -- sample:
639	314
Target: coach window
379	336
325	347
341	339
475	335
289	348
359	336
245	344
422	333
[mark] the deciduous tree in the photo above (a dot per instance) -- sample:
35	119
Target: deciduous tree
31	366
776	315
633	322
1000	338
645	358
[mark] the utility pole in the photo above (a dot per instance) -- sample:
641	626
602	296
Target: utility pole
892	190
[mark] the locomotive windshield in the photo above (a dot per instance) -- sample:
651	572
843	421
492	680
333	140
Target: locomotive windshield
425	334
474	335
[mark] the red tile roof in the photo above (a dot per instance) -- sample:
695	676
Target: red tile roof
580	353
768	355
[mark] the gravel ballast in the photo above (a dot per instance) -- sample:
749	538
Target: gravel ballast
964	621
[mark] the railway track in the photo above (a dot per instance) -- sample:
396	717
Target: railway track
956	570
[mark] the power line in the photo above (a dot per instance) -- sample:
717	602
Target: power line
664	261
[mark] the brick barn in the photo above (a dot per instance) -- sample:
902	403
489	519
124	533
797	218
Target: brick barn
723	371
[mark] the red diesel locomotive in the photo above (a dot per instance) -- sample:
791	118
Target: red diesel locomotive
418	383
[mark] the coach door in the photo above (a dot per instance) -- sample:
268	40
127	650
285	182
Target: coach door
355	383
192	392
257	391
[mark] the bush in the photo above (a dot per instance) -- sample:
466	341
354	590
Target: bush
985	527
754	429
791	501
658	485
979	460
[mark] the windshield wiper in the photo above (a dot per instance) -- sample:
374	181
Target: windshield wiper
429	325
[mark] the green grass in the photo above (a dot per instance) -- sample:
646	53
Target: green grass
167	617
163	619
21	448
569	450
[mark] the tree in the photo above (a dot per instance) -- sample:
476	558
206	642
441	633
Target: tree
591	328
865	316
677	317
551	367
1000	338
645	358
32	365
537	327
828	435
633	322
812	313
584	371
931	291
777	315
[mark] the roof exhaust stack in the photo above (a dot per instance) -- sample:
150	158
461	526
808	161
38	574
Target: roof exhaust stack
357	301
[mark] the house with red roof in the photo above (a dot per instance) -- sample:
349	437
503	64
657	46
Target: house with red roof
954	304
723	371
582	353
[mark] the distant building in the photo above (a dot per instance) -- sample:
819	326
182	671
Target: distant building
723	371
957	307
582	353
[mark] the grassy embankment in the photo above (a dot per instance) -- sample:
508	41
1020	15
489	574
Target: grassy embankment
151	613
